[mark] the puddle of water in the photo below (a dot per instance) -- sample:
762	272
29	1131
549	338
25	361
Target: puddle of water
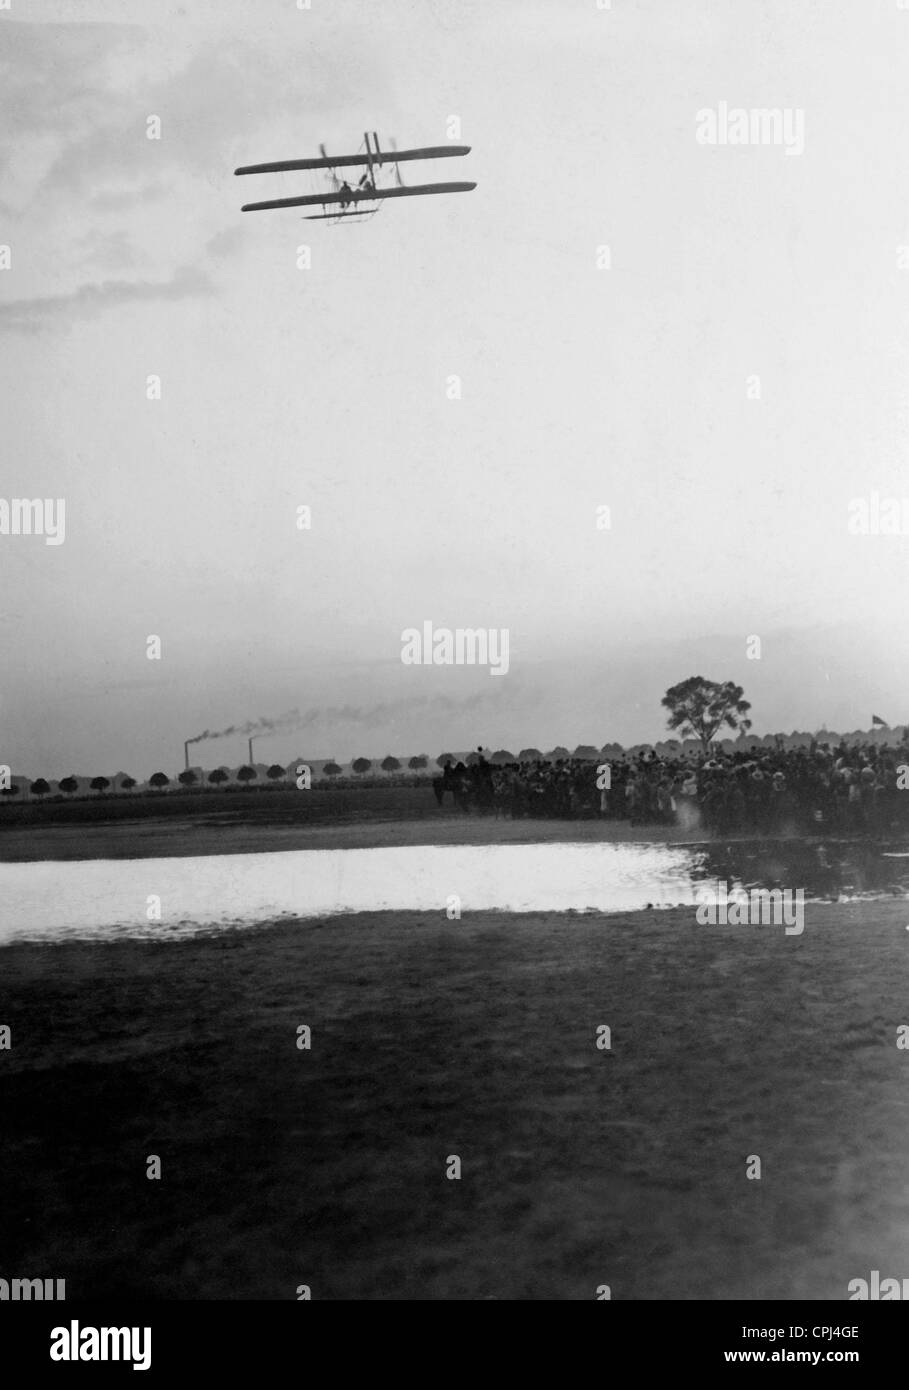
56	900
101	899
837	869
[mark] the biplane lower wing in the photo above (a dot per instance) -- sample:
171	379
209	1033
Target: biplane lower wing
343	161
356	196
334	216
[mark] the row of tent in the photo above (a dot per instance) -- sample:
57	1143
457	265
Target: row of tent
674	748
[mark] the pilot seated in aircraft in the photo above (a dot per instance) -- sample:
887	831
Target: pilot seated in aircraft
346	193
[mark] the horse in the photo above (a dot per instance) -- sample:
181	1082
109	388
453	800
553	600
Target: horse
459	788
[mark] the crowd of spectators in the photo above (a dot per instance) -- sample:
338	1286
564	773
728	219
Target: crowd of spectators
821	787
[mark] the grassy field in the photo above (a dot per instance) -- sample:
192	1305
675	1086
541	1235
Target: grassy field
266	804
192	836
211	822
245	822
476	1038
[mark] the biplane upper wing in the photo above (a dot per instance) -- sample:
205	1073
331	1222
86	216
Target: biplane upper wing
345	160
358	196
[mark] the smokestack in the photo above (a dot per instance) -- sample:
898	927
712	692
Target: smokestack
186	754
250	753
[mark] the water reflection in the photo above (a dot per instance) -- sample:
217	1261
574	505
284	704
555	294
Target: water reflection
832	870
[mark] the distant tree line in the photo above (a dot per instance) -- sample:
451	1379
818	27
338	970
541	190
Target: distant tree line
188	779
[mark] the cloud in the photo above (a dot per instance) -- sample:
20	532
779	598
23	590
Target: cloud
30	315
102	215
53	74
119	199
108	252
225	242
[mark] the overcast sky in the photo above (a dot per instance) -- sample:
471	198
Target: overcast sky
581	387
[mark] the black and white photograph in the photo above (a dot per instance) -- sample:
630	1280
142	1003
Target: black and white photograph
454	723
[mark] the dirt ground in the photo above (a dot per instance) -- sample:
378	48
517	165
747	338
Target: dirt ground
477	1038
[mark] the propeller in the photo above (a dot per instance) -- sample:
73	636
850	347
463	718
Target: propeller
335	182
394	145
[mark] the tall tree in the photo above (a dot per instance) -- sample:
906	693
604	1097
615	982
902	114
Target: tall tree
700	708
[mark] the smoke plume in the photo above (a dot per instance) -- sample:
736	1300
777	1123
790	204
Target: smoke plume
364	716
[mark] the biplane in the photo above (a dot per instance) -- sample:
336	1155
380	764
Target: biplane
363	198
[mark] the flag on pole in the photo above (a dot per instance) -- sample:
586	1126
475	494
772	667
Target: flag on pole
876	720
